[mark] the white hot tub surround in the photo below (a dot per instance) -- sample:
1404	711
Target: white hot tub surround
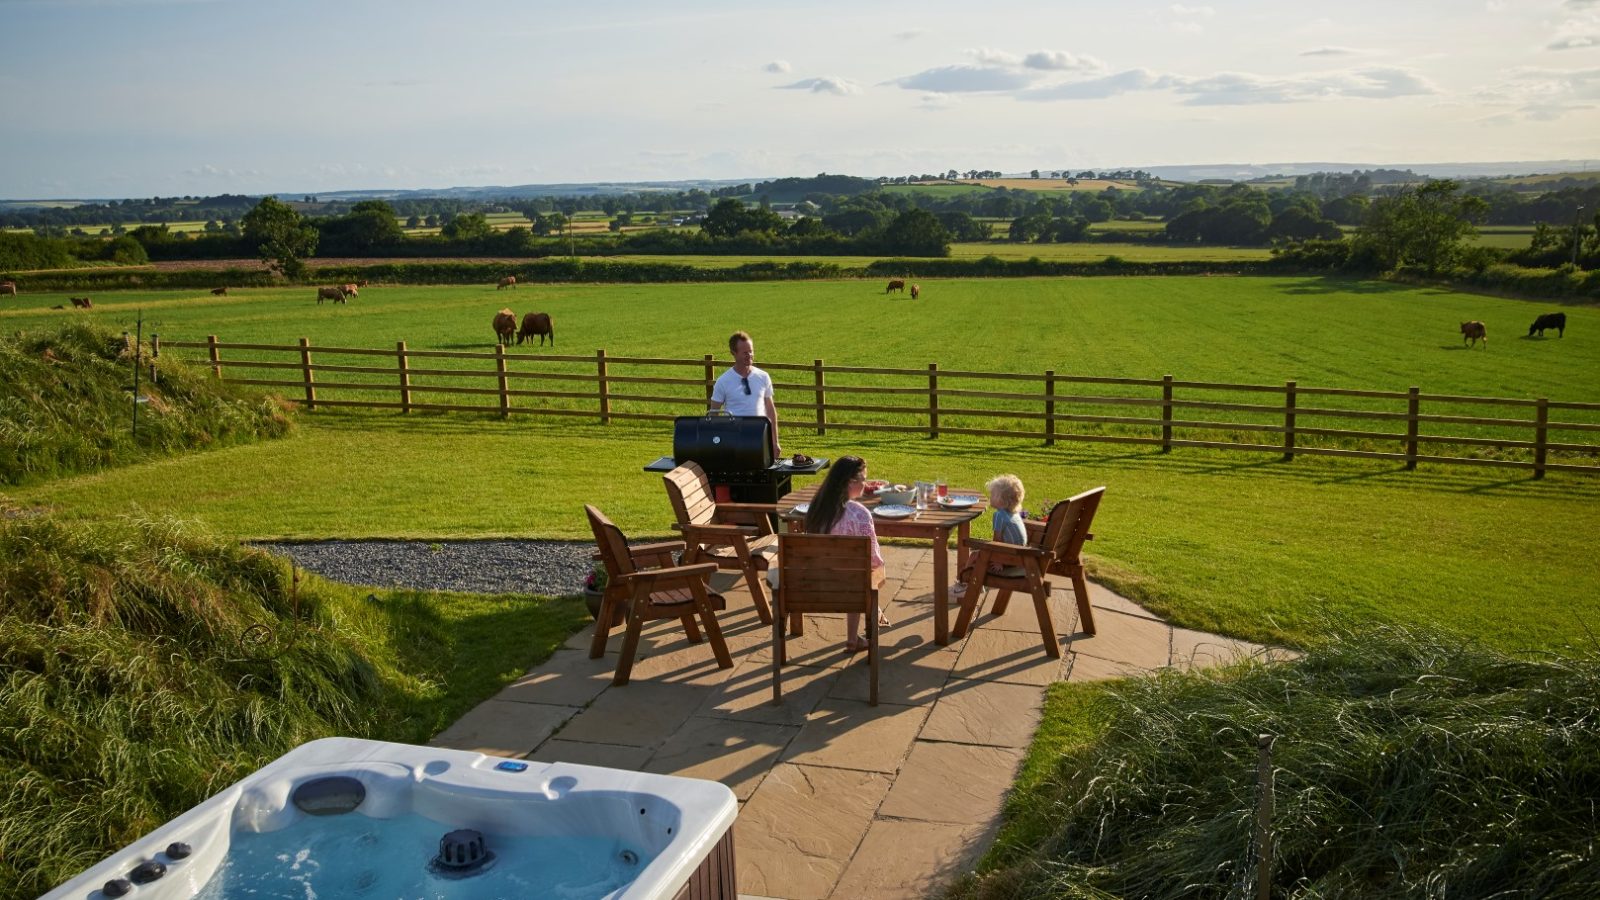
675	823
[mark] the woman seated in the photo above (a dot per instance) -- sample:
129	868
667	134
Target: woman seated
835	510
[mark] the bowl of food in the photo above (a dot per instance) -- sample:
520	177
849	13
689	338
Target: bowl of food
899	494
874	485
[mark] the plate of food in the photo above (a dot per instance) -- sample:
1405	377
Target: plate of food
799	461
894	511
958	501
801	509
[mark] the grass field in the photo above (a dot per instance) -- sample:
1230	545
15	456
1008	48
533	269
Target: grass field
1240	544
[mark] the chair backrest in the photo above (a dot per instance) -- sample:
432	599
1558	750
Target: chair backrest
690	493
825	572
613	546
1077	514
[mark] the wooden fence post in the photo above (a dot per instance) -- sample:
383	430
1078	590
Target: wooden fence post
822	397
1049	407
1288	420
405	375
305	367
933	400
1264	804
505	382
1166	414
155	346
1413	404
605	394
1541	424
711	376
215	353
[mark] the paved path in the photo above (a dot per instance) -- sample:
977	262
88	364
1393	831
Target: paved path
838	799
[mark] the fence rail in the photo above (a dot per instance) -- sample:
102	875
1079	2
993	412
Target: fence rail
820	397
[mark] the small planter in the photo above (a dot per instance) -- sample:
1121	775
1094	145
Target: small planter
591	599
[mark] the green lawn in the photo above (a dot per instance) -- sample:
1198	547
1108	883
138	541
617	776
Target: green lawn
1242	544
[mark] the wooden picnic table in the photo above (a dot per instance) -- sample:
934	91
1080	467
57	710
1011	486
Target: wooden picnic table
934	524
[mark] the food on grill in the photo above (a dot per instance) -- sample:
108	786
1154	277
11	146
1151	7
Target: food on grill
800	459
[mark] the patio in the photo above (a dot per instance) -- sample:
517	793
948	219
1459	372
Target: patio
837	798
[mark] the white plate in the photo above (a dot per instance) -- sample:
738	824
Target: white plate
959	502
894	511
802	508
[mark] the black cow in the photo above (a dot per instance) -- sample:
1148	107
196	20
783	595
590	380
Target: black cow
1558	321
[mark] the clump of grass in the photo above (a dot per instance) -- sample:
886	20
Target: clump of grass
66	406
1408	764
145	665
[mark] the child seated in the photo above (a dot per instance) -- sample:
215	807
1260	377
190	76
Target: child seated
1005	497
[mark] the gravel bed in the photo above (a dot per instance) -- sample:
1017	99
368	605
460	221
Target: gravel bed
483	567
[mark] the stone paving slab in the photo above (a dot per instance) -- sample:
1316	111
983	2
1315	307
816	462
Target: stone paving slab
961	784
840	799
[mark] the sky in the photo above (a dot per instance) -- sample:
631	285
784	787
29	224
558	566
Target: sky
125	98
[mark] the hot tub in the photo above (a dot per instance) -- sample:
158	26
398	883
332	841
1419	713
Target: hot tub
346	818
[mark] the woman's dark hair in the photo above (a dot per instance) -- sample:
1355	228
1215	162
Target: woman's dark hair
828	505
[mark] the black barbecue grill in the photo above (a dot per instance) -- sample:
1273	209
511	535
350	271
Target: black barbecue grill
736	454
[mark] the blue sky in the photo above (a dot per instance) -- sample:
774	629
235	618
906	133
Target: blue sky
113	98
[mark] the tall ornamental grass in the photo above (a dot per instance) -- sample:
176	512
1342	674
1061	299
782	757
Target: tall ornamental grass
66	406
145	665
1408	765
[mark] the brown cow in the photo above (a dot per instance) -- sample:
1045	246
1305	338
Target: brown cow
330	293
8	288
349	290
81	303
916	291
505	325
895	285
508	281
1472	332
362	283
536	324
219	292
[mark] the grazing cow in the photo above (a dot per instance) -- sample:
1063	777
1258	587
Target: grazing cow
81	303
505	325
895	285
362	283
916	291
329	293
1558	321
510	281
536	324
9	288
219	292
349	290
1473	332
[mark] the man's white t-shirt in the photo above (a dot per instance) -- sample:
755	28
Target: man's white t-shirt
729	391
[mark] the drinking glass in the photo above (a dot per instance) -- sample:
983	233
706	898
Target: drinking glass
944	488
922	495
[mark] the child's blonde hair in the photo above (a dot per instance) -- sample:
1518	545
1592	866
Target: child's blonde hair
1006	492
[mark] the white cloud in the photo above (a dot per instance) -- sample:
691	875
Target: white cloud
1062	61
1576	42
911	34
1182	10
965	79
828	84
988	56
1243	88
1544	94
1330	51
1583	4
777	67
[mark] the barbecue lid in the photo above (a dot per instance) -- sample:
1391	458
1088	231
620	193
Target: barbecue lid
723	443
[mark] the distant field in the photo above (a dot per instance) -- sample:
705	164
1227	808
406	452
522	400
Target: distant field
1094	252
956	188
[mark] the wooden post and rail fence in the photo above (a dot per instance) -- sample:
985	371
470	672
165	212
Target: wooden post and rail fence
601	389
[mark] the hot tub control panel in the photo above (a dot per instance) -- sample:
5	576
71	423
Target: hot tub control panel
512	766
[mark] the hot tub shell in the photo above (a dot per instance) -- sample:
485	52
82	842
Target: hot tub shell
685	823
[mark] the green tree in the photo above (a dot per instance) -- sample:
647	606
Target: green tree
916	232
282	238
467	227
371	225
1420	226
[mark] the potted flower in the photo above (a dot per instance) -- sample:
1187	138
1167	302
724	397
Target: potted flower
1035	521
594	588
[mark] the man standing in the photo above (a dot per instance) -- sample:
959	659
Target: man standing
745	390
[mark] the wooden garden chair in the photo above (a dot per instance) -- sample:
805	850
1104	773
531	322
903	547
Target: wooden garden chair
1053	549
735	536
824	573
644	583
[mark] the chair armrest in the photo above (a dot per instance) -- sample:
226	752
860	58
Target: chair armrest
719	534
1000	551
1089	536
660	552
698	571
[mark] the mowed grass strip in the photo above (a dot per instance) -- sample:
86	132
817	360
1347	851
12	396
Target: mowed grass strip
1242	545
